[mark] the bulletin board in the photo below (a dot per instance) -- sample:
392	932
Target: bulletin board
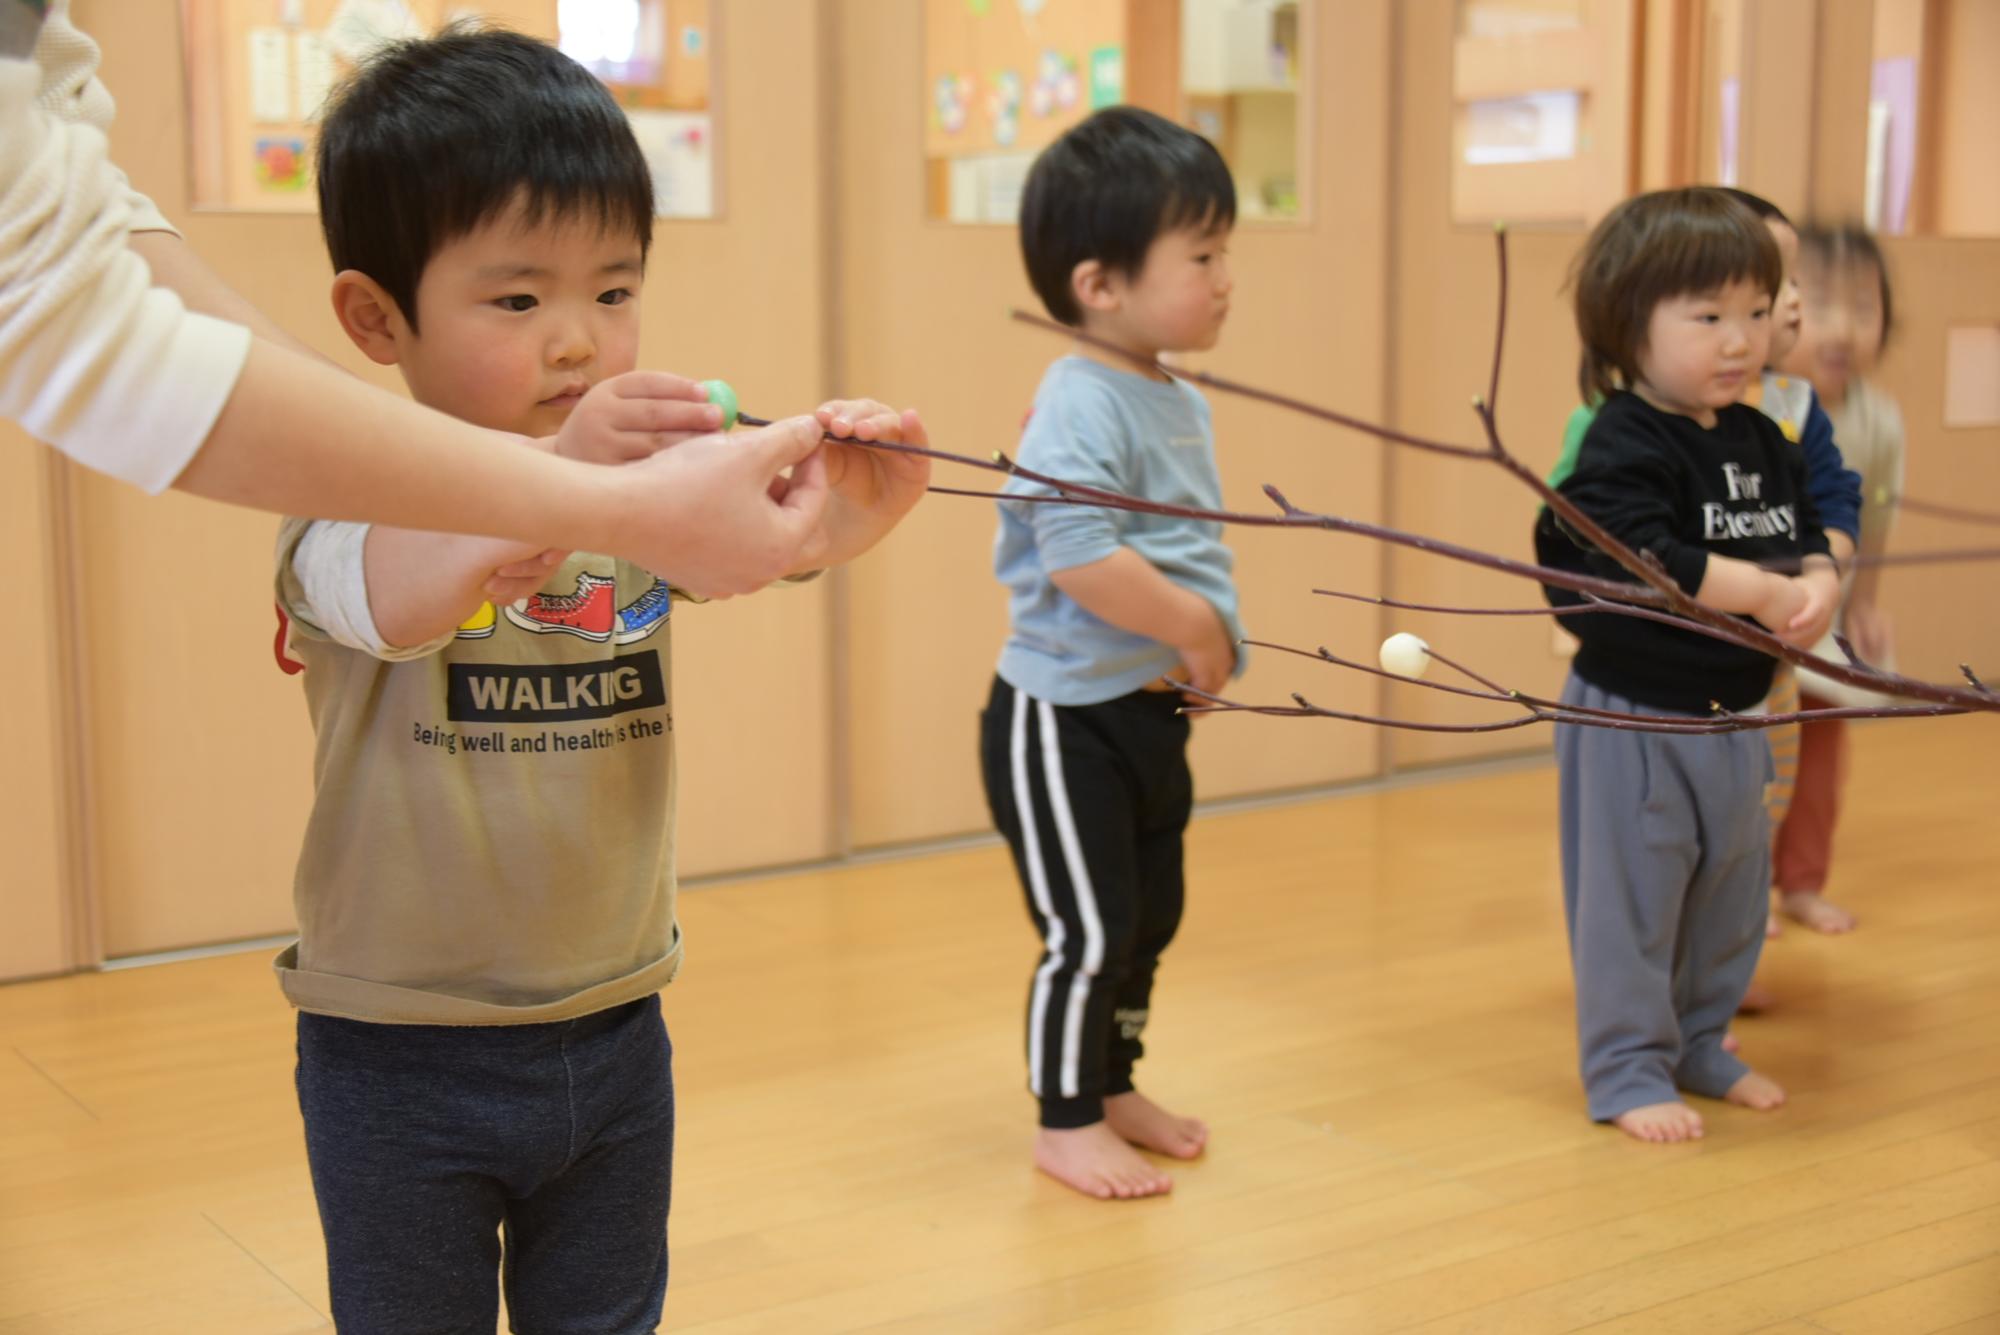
259	70
1005	76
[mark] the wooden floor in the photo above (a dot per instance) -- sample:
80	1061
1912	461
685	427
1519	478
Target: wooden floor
1369	1002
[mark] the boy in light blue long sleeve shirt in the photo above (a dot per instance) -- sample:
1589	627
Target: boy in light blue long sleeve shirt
1124	226
1119	430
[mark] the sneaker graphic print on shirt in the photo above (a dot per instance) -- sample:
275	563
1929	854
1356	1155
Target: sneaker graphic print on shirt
546	693
644	614
587	613
591	611
480	625
635	622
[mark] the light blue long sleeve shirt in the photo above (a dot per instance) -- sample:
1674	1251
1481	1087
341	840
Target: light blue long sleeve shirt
1123	432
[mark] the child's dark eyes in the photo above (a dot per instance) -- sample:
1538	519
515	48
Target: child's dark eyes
617	296
518	303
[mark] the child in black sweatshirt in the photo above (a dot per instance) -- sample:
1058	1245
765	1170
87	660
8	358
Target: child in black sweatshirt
1665	843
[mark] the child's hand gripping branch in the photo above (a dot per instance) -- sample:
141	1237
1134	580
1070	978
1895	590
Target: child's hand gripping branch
853	495
868	491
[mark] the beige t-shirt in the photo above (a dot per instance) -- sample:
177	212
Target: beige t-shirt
492	833
1868	427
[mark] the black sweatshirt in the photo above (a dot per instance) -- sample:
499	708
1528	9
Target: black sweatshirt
1663	483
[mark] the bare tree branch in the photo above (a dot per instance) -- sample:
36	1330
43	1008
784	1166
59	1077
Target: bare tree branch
1655	596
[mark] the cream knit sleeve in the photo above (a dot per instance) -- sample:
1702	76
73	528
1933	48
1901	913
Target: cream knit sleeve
93	359
71	93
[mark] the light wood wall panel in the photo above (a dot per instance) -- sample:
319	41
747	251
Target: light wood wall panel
1845	59
1665	116
1804	124
33	887
742	297
1968	104
922	317
1944	614
1779	41
1441	321
823	274
202	748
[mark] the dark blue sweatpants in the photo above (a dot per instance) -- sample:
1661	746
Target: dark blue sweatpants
430	1143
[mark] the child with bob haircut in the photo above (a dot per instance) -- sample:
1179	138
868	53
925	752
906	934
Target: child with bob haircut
1665	841
485	895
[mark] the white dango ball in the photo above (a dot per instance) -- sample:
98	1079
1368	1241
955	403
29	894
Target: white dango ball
1405	655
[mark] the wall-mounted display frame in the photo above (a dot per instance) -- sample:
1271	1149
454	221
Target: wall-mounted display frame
258	72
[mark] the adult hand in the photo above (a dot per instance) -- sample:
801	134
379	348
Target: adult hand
715	515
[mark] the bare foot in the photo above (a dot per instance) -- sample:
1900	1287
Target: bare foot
1774	926
1731	1043
1756	999
1146	1124
1661	1123
1097	1163
1756	1091
1815	912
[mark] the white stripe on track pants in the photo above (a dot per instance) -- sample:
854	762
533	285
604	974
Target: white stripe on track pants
1093	800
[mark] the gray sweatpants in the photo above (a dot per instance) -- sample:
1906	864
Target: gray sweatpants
1666	881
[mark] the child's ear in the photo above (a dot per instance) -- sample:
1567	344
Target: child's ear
1090	283
370	317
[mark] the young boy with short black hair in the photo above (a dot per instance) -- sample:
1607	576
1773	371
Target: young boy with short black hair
1125	225
486	892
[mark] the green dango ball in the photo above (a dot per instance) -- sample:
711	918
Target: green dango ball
722	396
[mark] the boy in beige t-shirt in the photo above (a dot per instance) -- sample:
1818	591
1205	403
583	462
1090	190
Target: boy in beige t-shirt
486	891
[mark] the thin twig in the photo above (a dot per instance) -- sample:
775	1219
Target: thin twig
1377	600
1499	323
1251	392
1587	714
1950	556
1541	712
1951	512
1655	596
